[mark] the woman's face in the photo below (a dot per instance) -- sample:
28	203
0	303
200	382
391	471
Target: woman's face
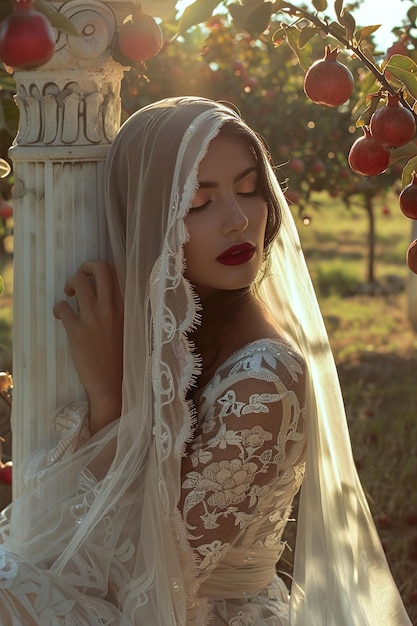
227	219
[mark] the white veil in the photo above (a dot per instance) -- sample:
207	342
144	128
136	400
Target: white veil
112	529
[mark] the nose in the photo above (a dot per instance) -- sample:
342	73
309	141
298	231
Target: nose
235	219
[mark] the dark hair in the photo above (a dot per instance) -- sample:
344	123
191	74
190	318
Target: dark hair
219	308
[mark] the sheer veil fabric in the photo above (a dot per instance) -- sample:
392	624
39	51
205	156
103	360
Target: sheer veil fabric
112	528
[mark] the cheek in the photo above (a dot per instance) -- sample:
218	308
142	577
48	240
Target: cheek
197	228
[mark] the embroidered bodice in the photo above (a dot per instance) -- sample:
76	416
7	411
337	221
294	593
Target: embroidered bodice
244	466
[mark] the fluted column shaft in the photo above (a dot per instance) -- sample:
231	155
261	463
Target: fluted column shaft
69	114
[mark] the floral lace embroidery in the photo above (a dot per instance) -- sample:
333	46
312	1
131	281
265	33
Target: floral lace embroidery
243	619
246	461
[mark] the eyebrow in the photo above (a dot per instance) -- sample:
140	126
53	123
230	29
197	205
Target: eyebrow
213	185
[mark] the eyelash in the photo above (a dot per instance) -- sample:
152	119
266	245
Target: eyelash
249	194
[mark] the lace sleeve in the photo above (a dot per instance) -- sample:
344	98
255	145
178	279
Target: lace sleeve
69	429
250	432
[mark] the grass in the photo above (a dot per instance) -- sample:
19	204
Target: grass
375	347
335	245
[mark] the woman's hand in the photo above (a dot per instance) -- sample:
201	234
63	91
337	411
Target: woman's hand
95	334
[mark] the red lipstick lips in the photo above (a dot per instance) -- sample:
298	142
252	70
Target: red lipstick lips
237	255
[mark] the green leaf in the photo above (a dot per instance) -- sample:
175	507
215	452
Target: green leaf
337	31
1	285
368	53
303	54
278	5
59	21
365	118
405	69
278	37
199	11
338	7
363	33
253	17
320	5
407	151
405	63
306	34
347	20
412	15
408	170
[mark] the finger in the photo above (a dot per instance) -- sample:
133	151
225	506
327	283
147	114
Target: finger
84	291
63	312
74	282
105	280
89	269
69	287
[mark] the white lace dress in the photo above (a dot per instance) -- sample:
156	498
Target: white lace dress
243	468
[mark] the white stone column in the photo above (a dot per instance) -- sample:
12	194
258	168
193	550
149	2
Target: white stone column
69	114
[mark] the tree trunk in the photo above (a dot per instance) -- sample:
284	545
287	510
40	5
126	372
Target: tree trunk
371	238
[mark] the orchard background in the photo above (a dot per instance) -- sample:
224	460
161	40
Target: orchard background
254	56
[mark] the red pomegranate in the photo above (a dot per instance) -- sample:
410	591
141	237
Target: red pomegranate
328	82
6	210
367	156
408	198
140	38
411	256
27	40
392	125
6	472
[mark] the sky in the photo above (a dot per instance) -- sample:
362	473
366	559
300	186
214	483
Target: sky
388	13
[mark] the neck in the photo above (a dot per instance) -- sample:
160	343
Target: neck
222	310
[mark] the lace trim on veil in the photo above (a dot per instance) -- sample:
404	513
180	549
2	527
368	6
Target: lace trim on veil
171	337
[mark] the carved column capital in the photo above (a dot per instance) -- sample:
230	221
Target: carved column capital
74	100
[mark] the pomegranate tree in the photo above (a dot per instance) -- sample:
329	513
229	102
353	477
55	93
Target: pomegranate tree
27	40
392	125
327	81
367	156
140	38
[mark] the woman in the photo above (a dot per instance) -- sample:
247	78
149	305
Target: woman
174	512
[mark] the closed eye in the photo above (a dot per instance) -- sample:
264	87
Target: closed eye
254	192
200	207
